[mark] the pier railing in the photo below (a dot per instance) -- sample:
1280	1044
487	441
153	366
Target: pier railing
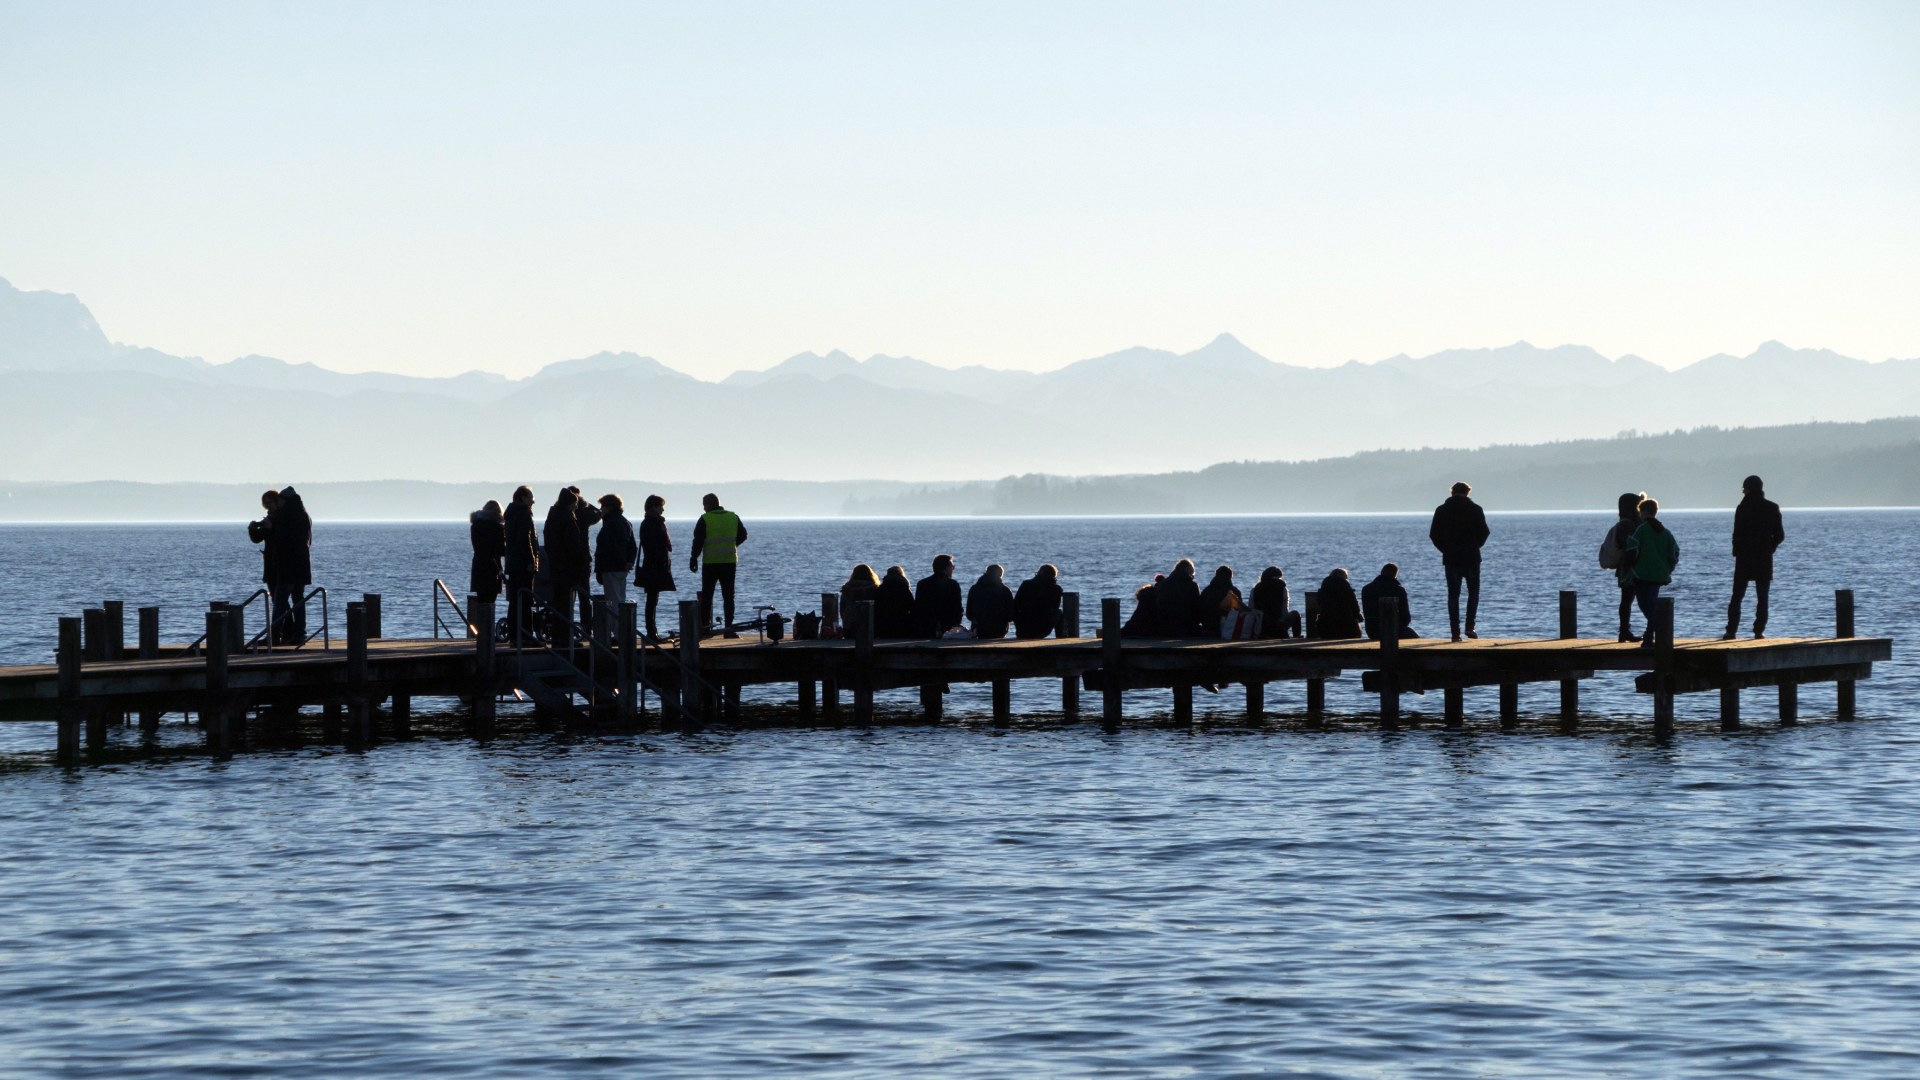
439	624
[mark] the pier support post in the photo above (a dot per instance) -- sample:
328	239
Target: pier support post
862	615
115	615
1256	701
830	687
1569	629
1316	700
1389	608
402	713
149	633
930	701
1070	628
93	635
1662	670
213	710
359	708
1456	707
1509	705
1729	708
628	621
1789	702
830	612
485	689
72	710
1183	704
1002	701
806	699
1843	628
691	710
1310	613
372	602
1110	674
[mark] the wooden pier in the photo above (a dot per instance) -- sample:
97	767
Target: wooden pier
609	677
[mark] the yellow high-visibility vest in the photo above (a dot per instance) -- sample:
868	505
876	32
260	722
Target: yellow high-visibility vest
722	529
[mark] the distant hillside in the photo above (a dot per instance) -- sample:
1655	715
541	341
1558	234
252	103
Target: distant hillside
1866	464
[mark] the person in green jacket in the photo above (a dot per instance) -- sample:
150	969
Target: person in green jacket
1652	553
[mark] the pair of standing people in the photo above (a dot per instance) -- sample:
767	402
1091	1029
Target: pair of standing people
1643	553
285	536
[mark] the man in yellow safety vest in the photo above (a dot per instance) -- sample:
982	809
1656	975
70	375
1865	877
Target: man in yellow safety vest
718	535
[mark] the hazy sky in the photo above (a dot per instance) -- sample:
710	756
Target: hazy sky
428	189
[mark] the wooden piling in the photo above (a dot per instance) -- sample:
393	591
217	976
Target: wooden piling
485	687
1070	628
402	715
115	616
1256	701
691	709
1509	705
1569	630
1111	675
1789	702
372	602
1729	708
1316	700
806	699
149	633
1183	704
1663	669
1843	628
359	707
930	700
1389	613
829	687
628	623
214	707
93	635
862	615
1310	613
1456	707
72	709
1002	700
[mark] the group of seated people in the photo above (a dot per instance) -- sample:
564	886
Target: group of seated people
1173	605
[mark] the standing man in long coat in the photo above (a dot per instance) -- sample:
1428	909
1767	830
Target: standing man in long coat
1459	530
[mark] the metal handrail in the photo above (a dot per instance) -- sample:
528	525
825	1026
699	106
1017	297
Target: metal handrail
194	645
440	589
594	649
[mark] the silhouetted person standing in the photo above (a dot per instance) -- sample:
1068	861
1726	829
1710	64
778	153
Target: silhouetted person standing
718	536
1459	530
1652	553
1387	584
523	557
614	550
1613	557
567	567
487	529
936	600
1757	531
1036	606
990	604
655	575
292	564
261	532
587	516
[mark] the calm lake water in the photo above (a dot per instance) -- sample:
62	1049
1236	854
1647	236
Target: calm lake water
966	901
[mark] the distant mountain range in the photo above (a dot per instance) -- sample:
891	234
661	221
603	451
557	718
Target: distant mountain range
258	419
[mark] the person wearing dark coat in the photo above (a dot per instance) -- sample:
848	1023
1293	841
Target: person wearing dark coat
1274	603
1036	605
1220	597
1176	602
1459	531
1339	608
614	550
936	600
523	555
1387	584
487	527
568	569
292	568
1757	531
261	532
893	605
588	516
1613	549
1142	622
655	575
990	604
862	585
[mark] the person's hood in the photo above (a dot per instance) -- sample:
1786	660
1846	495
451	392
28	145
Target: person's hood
483	514
288	496
1272	573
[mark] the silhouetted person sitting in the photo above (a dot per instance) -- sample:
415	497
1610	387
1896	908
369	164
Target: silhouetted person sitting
568	568
1387	584
487	529
523	558
893	605
1036	607
862	584
1143	623
1177	602
1459	530
1339	608
1613	557
990	604
1273	601
936	600
1217	600
1652	552
1757	531
292	564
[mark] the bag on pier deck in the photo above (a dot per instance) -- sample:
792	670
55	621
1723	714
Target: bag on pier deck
1242	625
806	626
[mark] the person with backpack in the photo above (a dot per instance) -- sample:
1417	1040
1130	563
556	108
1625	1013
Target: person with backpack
1612	557
1459	530
1757	531
1652	553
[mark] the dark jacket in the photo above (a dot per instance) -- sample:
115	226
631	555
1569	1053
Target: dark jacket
1653	551
937	606
893	607
1143	621
1176	604
656	547
1036	608
1370	596
1271	600
1757	531
523	551
1339	609
587	515
1459	530
1214	604
261	532
566	563
489	534
292	541
614	549
989	607
852	593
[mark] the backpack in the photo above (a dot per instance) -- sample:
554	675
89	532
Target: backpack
806	626
1610	549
